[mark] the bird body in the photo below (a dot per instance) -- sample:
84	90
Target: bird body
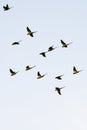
39	75
13	72
43	54
59	77
75	71
58	90
16	43
29	32
6	7
64	44
51	48
28	67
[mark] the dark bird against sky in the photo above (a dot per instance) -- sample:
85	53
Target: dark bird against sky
64	44
58	90
28	67
75	71
59	77
39	75
51	48
13	72
43	54
6	7
16	43
29	32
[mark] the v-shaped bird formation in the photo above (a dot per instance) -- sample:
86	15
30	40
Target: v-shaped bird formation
43	54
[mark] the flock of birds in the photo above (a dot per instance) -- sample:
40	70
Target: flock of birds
51	48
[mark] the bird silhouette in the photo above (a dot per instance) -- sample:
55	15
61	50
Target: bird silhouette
43	54
51	48
13	72
6	7
28	67
39	75
64	44
58	90
59	77
30	32
16	43
75	71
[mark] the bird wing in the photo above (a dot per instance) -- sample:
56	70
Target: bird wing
58	77
33	66
11	71
74	68
58	90
4	7
69	43
28	29
43	54
15	43
7	6
62	87
63	43
38	73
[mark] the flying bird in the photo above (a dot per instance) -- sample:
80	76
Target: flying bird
58	90
39	75
28	67
6	7
13	72
51	48
16	43
75	71
29	32
59	77
43	54
64	44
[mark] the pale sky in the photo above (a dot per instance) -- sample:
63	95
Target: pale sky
28	103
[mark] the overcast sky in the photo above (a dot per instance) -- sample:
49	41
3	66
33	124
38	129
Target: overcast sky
28	103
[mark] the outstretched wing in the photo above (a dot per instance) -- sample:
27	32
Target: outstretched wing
28	29
38	73
4	7
58	90
15	43
11	71
43	54
63	43
74	68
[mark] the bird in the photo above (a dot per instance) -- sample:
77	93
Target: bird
43	54
6	7
75	71
16	43
39	75
28	67
30	32
59	77
51	48
58	90
64	44
13	72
